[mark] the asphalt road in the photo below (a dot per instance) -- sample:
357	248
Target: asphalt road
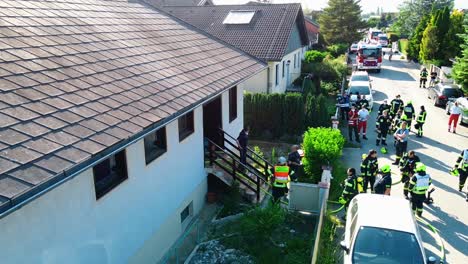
438	149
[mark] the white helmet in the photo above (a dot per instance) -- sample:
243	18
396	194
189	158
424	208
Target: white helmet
282	160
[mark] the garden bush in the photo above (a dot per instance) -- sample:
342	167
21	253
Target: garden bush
322	146
314	56
337	49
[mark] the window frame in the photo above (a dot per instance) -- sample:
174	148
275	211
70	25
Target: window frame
283	69
187	130
233	113
100	187
277	74
158	151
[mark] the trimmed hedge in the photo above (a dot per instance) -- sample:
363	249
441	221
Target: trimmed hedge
272	116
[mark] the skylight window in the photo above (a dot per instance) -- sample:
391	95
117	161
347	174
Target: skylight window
238	17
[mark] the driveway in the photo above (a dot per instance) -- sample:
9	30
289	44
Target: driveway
438	149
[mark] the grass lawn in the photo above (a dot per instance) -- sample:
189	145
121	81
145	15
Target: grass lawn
403	46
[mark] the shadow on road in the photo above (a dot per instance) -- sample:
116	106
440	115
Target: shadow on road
454	231
395	75
379	96
417	142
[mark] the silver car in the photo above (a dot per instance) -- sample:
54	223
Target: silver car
463	104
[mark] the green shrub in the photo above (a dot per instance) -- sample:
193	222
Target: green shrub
322	146
261	222
314	56
337	49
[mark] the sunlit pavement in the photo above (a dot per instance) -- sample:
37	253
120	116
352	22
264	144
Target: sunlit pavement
438	149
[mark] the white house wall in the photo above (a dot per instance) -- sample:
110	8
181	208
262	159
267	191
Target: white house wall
294	72
258	83
135	222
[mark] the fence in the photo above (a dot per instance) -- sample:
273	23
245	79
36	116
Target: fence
318	226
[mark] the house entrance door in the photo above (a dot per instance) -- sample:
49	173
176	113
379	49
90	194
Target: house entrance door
212	121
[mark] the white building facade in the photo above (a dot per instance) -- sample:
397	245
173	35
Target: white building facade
136	221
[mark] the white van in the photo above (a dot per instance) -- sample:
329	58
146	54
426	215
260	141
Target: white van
382	229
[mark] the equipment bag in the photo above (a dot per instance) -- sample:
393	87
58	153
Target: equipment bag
416	126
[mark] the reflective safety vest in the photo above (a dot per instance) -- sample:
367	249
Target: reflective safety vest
281	174
423	74
422	117
422	184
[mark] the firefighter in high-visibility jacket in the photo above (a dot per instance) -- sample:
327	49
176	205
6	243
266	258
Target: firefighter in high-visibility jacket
418	186
461	170
420	121
280	177
407	167
352	187
369	168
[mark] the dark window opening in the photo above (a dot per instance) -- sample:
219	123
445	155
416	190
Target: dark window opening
232	104
186	126
277	74
188	211
155	145
110	173
283	69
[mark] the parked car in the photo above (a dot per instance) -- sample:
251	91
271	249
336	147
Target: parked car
353	48
362	88
382	229
444	92
463	104
360	76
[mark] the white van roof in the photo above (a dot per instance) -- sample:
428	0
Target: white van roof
383	211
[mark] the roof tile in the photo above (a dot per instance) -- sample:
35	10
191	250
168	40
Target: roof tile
31	174
31	129
40	108
105	139
54	164
90	146
7	121
94	125
62	138
20	155
73	154
6	85
68	116
10	188
42	145
6	165
20	113
50	122
79	131
118	132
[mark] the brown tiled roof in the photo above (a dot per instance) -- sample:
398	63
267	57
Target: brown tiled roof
265	37
80	76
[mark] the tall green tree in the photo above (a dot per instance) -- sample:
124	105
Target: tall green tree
429	43
460	67
453	41
412	11
341	22
415	42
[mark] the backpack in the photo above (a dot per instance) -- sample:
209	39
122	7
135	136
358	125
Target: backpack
379	185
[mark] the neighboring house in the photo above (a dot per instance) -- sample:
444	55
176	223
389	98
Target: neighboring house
274	33
313	30
161	3
103	111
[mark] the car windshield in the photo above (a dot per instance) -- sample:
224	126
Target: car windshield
359	89
383	38
385	246
370	52
451	92
359	78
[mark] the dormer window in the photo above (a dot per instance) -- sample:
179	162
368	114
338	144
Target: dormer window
239	17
